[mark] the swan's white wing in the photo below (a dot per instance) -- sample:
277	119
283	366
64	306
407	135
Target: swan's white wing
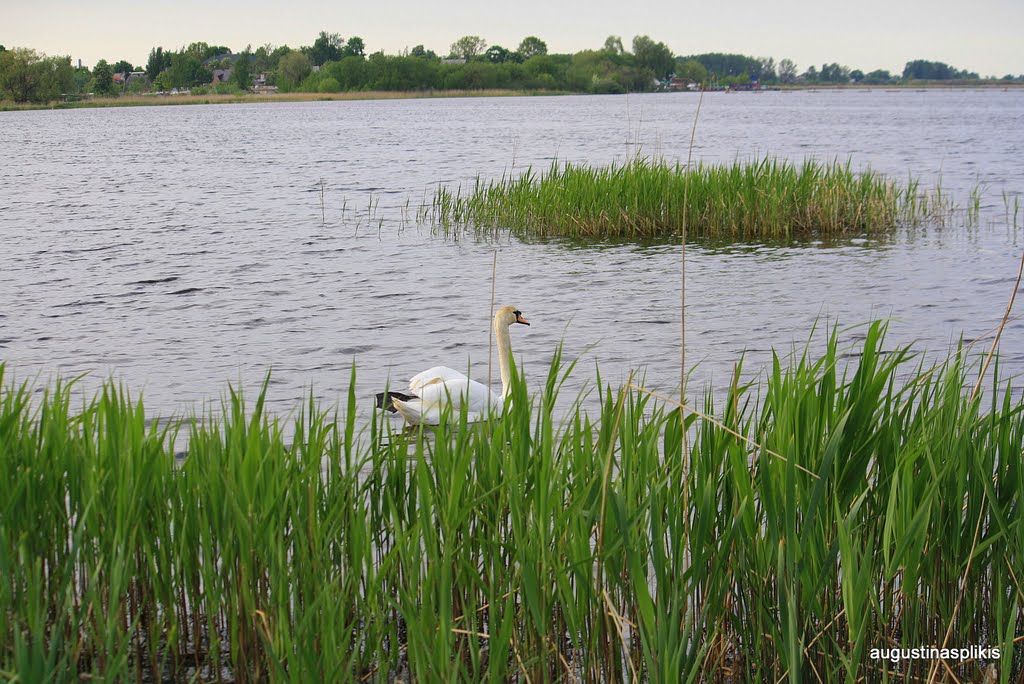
427	407
435	375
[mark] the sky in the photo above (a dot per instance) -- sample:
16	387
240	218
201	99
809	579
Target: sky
985	36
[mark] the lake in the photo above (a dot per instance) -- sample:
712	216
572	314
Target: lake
182	248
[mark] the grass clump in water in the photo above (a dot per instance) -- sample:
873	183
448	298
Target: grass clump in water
641	199
828	511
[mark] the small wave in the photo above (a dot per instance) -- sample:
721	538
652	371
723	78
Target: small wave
154	281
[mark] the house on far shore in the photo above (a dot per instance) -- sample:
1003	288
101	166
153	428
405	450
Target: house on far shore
259	85
259	81
124	79
676	84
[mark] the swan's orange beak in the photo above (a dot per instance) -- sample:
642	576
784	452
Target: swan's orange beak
520	319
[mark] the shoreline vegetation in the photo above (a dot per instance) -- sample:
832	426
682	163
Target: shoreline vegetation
333	65
647	199
155	100
832	509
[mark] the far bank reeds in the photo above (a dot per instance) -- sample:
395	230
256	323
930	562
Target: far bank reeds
828	511
153	99
642	199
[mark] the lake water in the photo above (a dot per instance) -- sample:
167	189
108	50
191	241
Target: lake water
182	248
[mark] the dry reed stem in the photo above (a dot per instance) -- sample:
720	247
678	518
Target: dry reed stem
992	349
620	623
519	660
466	632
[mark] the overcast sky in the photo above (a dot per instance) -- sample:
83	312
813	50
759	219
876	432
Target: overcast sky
986	36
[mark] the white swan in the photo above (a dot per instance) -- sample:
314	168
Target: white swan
440	386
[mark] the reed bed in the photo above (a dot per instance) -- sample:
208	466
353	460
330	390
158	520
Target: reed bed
829	510
643	199
153	99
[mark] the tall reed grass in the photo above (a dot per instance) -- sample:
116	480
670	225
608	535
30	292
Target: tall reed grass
767	199
830	509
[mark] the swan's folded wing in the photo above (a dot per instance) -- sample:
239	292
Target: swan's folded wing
433	376
454	392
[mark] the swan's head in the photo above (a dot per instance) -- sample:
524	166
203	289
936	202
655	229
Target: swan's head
507	315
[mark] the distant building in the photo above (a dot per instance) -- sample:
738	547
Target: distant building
124	79
676	84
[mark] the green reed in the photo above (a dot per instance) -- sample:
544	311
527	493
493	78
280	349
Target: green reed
829	509
645	199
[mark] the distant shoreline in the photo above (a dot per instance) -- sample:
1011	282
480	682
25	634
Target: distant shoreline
170	100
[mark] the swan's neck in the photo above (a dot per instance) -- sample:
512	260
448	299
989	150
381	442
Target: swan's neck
504	355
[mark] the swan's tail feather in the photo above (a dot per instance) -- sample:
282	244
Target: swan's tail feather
385	400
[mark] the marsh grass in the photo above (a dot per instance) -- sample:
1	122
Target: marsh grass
214	98
641	199
827	510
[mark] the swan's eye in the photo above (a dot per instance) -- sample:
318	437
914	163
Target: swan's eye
517	312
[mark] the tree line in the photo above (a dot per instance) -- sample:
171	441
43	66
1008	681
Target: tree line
333	64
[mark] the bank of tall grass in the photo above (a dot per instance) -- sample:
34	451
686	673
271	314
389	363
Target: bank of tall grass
641	199
152	99
828	511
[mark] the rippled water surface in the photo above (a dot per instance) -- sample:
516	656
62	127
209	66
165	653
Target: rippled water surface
182	248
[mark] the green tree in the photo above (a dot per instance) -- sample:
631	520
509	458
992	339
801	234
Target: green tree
921	69
58	77
723	65
81	77
293	68
422	53
654	56
122	67
242	70
532	46
266	59
158	62
468	47
20	76
613	44
857	76
28	76
329	85
787	71
352	73
278	53
878	77
163	81
402	73
326	48
834	73
548	71
497	54
204	51
187	71
354	47
103	79
691	71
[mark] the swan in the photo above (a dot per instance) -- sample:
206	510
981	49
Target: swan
434	388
